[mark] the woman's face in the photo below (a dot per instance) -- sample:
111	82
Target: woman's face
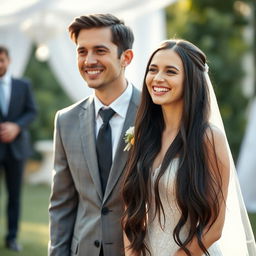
165	78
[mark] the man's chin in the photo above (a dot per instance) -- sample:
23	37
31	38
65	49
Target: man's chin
94	85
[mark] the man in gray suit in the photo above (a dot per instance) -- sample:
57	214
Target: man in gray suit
89	157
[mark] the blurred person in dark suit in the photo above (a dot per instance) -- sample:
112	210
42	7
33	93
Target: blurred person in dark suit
17	111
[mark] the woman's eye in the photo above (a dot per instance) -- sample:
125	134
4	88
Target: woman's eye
170	71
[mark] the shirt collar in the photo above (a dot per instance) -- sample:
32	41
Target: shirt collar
6	78
119	105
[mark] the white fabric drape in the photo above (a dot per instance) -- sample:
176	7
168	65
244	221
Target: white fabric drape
237	237
246	164
62	61
19	45
45	22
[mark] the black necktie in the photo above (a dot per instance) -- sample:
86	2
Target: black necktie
104	146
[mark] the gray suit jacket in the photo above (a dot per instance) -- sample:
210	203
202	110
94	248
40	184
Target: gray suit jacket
81	218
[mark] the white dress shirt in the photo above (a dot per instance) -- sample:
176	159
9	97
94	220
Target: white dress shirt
120	106
7	88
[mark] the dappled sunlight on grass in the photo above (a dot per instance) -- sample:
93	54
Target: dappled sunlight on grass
33	237
33	234
35	231
252	217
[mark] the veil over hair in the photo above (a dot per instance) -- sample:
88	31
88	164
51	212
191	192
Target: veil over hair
237	237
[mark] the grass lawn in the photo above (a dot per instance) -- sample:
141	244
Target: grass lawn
253	222
33	233
34	225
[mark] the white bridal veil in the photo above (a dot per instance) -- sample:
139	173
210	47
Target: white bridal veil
237	237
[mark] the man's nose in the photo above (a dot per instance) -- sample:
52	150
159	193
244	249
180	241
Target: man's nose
90	59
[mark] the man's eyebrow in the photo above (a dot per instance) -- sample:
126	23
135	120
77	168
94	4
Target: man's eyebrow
101	46
95	47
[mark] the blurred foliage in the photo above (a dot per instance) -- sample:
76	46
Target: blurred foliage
216	27
49	96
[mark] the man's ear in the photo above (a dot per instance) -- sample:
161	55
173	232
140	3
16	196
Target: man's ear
126	57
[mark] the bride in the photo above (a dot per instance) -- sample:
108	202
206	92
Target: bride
180	189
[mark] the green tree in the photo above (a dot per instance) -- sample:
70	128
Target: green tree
49	95
216	26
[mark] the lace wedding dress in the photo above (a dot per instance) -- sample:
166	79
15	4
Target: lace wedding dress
159	237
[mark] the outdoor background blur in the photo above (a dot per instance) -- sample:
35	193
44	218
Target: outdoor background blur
223	29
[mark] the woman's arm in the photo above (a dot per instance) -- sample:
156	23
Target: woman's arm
218	159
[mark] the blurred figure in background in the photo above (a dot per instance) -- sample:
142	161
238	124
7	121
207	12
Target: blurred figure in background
17	111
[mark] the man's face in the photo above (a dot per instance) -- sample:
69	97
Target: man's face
97	58
4	63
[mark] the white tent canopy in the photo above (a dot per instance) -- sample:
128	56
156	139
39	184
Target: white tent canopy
45	22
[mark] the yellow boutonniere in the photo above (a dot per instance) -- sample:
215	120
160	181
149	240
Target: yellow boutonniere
129	138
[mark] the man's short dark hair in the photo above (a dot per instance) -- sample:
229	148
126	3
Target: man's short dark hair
122	35
3	49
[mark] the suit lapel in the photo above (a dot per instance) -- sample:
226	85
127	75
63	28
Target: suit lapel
121	155
87	131
13	96
1	116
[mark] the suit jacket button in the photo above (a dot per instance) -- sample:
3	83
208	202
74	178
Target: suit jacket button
105	210
97	243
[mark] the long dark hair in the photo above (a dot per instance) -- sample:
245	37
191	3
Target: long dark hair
197	189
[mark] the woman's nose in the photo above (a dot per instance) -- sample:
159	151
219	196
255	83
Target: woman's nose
158	77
